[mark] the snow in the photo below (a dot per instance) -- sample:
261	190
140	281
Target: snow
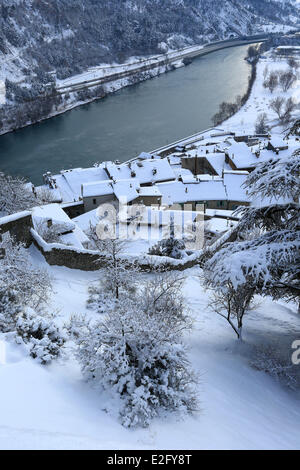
241	155
149	191
217	161
13	217
126	190
99	188
233	182
69	182
278	142
260	98
84	221
51	212
146	171
133	65
219	225
2	92
179	193
53	408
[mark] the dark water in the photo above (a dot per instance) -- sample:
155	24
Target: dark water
135	119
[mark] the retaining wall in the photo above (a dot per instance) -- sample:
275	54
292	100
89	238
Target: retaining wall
19	226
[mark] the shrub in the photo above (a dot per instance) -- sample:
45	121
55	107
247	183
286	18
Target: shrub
41	336
170	247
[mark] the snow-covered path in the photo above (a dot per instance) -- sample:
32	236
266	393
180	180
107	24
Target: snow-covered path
52	408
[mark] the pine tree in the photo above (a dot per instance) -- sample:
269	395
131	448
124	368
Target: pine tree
21	284
137	353
269	263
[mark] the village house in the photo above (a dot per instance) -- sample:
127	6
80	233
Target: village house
277	144
239	157
212	192
146	172
236	194
53	216
125	191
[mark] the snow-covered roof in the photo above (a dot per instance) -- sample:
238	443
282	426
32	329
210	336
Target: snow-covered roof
57	215
162	218
233	182
51	212
145	156
277	142
241	155
146	171
178	192
69	182
84	221
175	158
126	190
149	191
206	177
13	217
186	175
98	188
217	162
75	238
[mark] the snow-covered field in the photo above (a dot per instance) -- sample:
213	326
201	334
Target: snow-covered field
53	408
260	98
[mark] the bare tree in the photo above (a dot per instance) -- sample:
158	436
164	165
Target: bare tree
276	104
293	64
286	80
230	303
290	106
271	81
261	126
119	275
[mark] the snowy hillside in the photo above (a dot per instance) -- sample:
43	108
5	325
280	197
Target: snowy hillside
40	36
241	408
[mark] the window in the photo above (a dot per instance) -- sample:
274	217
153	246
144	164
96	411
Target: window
94	201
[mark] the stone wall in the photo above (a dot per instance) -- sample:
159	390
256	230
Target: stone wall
74	209
19	226
87	260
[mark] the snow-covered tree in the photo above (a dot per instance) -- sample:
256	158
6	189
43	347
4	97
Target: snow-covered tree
261	126
52	233
136	353
17	195
271	82
268	264
118	275
170	247
287	79
162	295
21	283
41	337
276	178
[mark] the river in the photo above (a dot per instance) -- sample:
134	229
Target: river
138	118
